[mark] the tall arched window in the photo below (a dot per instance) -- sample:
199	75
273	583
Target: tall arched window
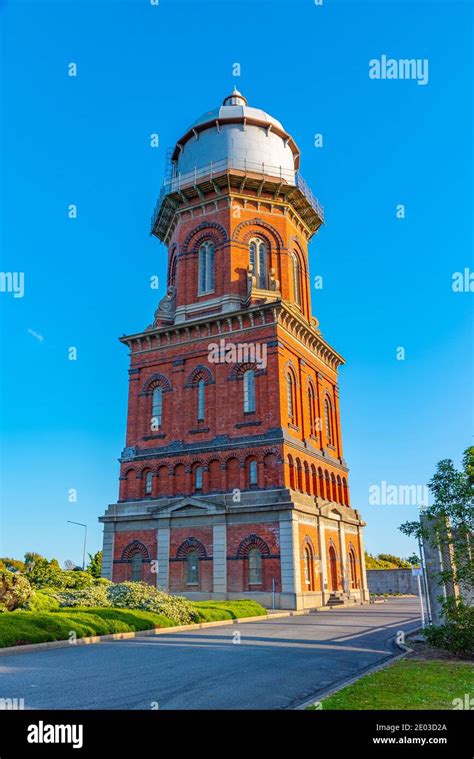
255	566
192	568
172	271
148	483
156	408
198	478
258	260
201	386
308	568
312	410
206	267
353	568
136	568
249	391
328	421
296	279
253	472
291	398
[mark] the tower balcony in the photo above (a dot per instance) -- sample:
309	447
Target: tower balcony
235	175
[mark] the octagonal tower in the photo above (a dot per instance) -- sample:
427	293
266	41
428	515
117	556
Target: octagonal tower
233	481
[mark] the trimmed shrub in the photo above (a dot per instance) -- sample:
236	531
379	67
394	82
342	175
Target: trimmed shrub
456	634
95	595
15	590
39	601
140	595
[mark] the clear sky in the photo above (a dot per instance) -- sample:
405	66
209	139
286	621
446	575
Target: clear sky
85	140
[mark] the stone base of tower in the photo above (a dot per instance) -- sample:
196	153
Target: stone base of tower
282	548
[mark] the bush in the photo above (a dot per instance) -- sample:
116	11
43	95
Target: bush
140	595
456	634
95	595
15	590
39	601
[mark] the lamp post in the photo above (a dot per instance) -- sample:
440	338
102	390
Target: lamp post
85	539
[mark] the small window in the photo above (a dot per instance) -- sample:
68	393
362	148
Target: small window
249	391
198	478
255	566
253	473
258	260
156	408
201	386
136	567
148	483
290	397
192	568
312	411
206	267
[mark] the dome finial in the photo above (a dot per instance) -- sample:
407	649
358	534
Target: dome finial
236	98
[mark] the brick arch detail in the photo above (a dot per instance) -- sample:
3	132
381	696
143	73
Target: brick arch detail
207	230
191	544
247	229
156	380
252	541
192	380
135	547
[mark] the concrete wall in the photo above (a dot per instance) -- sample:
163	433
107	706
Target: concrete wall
392	581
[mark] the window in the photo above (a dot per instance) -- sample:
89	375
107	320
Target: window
296	279
249	391
156	408
201	385
307	566
148	483
136	564
253	473
172	271
328	421
291	397
192	568
353	568
255	566
206	267
312	411
198	478
258	261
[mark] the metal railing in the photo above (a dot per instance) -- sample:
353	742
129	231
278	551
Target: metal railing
213	169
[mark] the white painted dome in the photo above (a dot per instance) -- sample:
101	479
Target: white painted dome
237	136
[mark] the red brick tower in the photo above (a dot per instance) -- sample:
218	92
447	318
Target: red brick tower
233	482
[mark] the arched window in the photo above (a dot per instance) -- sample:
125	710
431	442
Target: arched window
206	267
156	408
312	410
198	478
172	271
201	385
148	483
249	391
253	472
258	261
192	568
296	279
328	421
291	398
255	566
136	568
353	568
308	568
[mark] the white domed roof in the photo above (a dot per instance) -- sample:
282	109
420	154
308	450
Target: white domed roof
240	136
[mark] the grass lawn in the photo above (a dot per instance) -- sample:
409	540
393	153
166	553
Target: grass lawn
22	627
407	684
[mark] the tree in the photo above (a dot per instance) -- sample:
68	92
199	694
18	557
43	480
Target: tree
12	565
95	564
451	517
395	560
68	565
413	560
30	558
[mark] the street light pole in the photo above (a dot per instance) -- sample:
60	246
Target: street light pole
85	540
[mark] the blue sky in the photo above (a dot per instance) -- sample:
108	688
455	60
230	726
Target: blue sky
387	281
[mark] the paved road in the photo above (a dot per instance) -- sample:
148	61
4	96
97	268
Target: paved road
278	664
